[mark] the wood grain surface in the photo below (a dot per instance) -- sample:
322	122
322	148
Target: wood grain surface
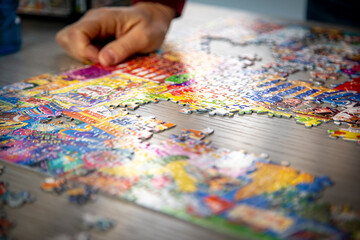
305	149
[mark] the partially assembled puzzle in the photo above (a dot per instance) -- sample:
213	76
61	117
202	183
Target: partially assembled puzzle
76	126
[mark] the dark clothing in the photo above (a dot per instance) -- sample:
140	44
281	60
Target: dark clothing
177	5
344	12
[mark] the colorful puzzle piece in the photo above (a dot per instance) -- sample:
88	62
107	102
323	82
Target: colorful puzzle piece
350	134
11	199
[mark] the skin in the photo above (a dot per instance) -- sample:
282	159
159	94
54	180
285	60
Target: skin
140	28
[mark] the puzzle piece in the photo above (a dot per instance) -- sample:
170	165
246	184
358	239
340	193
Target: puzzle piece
90	221
5	227
54	185
81	195
308	121
350	134
14	199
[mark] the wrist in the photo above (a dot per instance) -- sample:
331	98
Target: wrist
177	5
158	10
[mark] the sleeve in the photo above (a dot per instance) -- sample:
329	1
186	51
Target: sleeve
342	12
177	5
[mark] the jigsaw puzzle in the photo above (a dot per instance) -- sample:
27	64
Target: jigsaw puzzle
77	126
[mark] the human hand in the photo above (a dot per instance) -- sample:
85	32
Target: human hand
140	28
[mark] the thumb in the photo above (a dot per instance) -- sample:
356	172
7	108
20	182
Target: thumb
121	48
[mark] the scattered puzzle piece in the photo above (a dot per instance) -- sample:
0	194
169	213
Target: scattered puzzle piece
81	195
350	134
90	221
13	200
53	185
308	121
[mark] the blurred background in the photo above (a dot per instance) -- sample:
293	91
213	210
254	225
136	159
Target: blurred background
342	12
64	8
295	10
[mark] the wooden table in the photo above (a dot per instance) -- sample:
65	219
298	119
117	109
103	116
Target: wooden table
308	150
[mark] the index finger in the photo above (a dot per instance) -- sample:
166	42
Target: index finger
76	40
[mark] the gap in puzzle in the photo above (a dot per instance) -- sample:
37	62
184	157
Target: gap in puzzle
79	126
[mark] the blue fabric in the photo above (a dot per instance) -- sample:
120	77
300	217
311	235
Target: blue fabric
10	27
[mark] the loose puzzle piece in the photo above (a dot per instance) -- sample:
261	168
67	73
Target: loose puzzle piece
90	221
5	227
13	200
54	185
81	194
308	121
350	134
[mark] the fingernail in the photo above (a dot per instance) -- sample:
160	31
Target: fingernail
108	58
93	59
92	54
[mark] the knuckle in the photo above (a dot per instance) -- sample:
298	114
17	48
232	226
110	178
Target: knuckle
147	37
97	13
81	55
71	35
62	38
